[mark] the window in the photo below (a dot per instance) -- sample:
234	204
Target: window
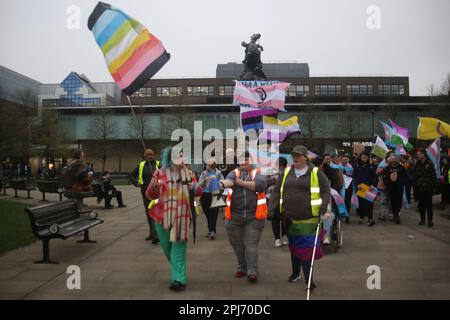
297	91
328	89
200	91
360	89
226	90
168	91
391	89
143	92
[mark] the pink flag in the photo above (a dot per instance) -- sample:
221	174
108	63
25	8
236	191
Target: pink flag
257	95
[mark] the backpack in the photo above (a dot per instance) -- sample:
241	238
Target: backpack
67	177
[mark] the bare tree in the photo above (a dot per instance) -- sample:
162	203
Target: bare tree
347	121
102	129
139	126
431	90
445	86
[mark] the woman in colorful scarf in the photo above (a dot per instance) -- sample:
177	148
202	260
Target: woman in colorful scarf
303	194
172	191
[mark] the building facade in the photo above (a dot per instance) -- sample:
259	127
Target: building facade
333	112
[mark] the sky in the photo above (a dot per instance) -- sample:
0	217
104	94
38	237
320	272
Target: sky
332	36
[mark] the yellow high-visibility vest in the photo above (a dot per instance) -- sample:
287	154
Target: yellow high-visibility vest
316	201
141	171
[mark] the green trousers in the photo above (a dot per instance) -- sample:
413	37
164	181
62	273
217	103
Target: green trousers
175	253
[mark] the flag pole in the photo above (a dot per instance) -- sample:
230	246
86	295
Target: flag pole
134	115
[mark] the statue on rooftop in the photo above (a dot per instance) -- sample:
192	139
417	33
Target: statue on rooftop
252	61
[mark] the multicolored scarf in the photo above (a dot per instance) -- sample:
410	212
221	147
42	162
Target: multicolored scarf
175	202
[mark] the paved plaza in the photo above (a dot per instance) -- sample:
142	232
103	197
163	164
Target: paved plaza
414	262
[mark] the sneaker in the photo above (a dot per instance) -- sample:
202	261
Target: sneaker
278	243
208	235
430	224
294	277
252	278
326	241
240	274
285	241
122	206
148	238
155	240
371	223
421	222
212	236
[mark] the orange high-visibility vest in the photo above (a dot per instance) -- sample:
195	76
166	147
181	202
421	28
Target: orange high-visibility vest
261	205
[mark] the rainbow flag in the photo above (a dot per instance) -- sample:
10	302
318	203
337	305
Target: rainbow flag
431	128
434	153
133	55
276	130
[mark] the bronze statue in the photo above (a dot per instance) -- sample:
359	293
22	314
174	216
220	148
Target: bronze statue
252	61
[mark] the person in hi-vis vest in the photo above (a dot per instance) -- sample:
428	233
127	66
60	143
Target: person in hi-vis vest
141	177
303	194
245	215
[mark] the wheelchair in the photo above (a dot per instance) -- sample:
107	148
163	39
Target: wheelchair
336	233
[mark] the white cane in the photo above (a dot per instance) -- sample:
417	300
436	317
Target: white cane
312	260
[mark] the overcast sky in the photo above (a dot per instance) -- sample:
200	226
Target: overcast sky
332	36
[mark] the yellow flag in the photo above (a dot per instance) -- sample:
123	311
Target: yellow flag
431	128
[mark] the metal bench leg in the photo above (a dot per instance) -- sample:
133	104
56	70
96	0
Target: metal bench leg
46	253
60	197
43	197
15	193
86	238
28	197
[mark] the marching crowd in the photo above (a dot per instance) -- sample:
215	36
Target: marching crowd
298	199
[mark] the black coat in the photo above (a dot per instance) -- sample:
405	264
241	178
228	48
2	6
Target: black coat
424	176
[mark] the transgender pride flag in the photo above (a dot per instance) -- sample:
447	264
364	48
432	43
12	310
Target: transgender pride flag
339	200
434	153
260	94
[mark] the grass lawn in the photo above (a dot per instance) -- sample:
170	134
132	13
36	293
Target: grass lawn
15	229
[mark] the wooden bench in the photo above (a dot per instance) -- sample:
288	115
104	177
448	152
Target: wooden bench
50	187
79	196
59	220
20	185
120	177
4	184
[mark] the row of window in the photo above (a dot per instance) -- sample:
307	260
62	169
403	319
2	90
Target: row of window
75	102
293	90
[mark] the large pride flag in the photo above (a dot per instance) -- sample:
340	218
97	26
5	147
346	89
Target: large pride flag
276	130
252	118
431	128
132	53
434	153
260	94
